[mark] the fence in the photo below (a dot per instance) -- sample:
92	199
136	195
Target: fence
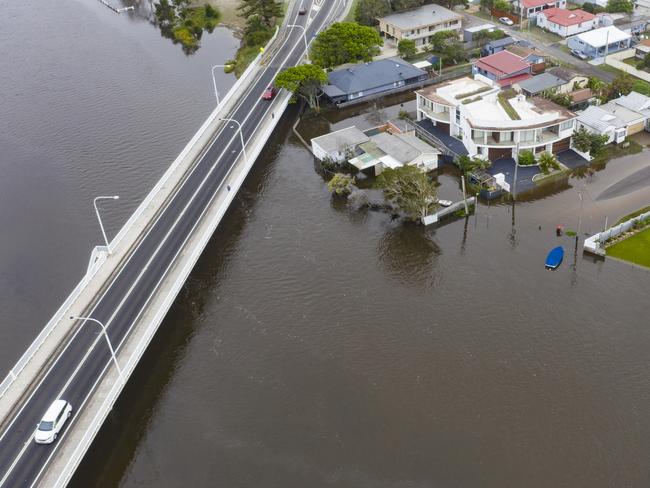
595	243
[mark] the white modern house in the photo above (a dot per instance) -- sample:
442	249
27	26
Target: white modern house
529	9
492	123
565	22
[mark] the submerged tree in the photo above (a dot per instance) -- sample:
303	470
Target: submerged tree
410	190
341	184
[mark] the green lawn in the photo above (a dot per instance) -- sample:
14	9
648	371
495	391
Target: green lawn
635	249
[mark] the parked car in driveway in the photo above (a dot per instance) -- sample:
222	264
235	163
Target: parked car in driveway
506	21
52	422
579	54
269	93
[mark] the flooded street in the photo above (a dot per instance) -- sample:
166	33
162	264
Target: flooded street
315	346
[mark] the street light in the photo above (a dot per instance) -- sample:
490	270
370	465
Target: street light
241	135
101	226
304	37
110	347
214	81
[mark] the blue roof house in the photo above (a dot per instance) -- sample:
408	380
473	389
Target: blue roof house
362	80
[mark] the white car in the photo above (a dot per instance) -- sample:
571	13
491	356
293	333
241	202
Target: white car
52	423
506	20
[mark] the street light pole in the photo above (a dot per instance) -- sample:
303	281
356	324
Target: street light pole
241	136
214	81
514	183
101	226
304	37
108	341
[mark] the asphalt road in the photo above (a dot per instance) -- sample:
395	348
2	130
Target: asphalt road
74	374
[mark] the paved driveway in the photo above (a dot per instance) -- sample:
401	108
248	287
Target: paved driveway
524	174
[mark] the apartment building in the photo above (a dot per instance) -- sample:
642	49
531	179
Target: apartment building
420	24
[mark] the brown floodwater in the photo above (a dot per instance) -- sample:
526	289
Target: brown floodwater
314	345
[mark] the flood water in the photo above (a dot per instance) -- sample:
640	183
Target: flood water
313	345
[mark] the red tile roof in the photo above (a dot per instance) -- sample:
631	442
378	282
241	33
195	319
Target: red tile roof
537	3
502	64
564	17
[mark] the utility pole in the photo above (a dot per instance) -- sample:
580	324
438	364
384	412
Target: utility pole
514	182
462	179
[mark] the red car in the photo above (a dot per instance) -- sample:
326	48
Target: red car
269	93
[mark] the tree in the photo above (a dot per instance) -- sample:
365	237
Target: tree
548	161
646	61
625	6
267	10
598	142
406	4
367	11
447	45
582	139
502	5
410	190
341	184
450	4
487	5
588	142
526	158
472	165
345	42
621	85
406	48
305	81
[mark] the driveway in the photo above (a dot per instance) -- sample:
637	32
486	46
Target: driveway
524	174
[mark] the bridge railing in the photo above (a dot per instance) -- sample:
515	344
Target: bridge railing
100	258
92	271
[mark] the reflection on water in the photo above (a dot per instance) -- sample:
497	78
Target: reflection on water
408	254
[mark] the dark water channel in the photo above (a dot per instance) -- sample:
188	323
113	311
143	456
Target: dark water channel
315	346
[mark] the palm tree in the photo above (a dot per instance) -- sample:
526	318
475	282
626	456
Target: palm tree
548	161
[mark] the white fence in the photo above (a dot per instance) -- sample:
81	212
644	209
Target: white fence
595	243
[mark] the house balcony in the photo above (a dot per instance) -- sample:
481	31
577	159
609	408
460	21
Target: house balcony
437	116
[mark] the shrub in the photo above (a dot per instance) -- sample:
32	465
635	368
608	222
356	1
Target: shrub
526	158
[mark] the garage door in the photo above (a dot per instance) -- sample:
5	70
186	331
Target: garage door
495	153
562	145
443	127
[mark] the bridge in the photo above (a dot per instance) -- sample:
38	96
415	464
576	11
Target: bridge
132	282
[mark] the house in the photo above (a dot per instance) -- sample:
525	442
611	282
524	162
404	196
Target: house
572	80
642	49
537	85
365	79
497	45
600	42
338	146
599	121
503	68
378	148
634	121
529	9
582	98
565	22
419	24
637	102
470	32
531	55
492	123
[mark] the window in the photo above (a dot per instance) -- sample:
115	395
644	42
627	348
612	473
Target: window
566	125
